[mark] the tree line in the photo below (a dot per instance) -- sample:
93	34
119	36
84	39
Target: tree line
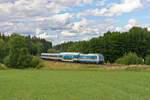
35	45
19	51
113	45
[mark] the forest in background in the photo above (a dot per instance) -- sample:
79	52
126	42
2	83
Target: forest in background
35	45
112	45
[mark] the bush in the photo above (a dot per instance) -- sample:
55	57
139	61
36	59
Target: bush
5	60
147	60
36	62
40	65
129	59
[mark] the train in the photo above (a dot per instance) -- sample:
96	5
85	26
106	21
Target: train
74	57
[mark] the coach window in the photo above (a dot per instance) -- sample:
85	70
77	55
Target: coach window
52	55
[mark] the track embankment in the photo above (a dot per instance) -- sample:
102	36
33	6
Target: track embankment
56	65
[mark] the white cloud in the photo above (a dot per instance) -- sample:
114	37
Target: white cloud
83	27
31	9
131	23
114	9
100	2
46	36
125	7
7	33
93	12
58	22
86	39
111	20
79	26
71	2
68	34
58	16
61	19
5	1
39	33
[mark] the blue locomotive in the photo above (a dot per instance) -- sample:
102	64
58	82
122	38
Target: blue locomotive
74	57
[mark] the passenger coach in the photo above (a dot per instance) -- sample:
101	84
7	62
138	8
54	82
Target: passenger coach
50	56
74	57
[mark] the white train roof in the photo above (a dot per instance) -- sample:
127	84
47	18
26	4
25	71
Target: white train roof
49	53
69	53
89	54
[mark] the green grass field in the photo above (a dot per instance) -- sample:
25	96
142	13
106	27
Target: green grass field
74	85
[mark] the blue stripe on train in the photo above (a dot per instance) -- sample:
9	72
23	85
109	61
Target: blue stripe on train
86	61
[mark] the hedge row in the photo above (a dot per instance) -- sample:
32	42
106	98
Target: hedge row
132	58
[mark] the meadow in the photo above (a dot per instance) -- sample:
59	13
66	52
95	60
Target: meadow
42	84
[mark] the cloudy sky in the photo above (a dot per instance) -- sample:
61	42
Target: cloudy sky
64	20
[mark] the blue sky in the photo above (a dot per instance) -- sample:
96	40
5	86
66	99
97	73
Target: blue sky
72	20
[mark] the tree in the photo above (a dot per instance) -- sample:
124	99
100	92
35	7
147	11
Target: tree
19	56
63	47
52	51
36	45
81	46
39	47
1	49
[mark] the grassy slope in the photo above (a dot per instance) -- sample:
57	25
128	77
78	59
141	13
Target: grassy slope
106	67
73	85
